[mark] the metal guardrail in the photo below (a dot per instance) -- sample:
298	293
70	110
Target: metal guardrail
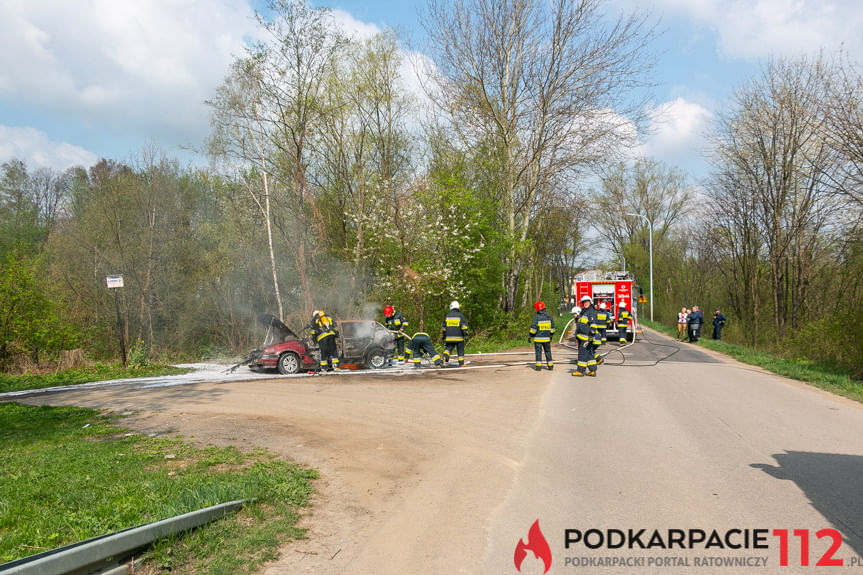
101	553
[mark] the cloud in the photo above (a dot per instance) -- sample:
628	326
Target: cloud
678	131
142	67
755	29
37	149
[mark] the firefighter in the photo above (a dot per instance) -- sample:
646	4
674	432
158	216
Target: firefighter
623	319
421	343
454	332
396	323
584	338
540	334
603	322
325	333
588	310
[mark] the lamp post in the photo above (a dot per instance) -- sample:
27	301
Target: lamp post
650	241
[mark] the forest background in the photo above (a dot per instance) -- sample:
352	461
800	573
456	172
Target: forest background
331	186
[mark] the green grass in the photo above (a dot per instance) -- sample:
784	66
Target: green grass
805	370
97	372
68	474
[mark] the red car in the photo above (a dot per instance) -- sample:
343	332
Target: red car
361	342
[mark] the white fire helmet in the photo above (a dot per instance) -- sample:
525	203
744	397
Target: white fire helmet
454	304
622	304
576	310
602	305
586	298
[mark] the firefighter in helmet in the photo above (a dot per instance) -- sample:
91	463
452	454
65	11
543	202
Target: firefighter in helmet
325	333
590	311
454	332
584	338
396	323
623	320
540	334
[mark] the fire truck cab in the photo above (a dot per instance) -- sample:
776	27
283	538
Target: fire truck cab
609	288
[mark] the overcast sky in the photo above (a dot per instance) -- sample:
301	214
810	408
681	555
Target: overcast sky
83	79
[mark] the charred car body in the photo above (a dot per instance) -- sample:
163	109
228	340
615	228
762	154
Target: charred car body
362	342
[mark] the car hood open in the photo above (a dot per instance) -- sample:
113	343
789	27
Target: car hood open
277	331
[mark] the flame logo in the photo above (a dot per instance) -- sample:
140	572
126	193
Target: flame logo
535	542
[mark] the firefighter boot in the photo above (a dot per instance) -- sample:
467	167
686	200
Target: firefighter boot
550	366
538	367
577	374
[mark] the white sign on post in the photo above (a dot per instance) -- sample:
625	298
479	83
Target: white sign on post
114	281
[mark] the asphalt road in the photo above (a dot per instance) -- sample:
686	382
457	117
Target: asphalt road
445	471
693	442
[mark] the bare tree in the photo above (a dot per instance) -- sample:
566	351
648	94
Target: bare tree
843	109
543	86
771	141
659	192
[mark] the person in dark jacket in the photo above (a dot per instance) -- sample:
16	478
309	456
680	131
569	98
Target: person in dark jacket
695	321
325	334
590	311
540	334
623	320
718	321
454	332
419	344
396	323
584	338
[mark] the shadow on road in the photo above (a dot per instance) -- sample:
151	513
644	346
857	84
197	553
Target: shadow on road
834	485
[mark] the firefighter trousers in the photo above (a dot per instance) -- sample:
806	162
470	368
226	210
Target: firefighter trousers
329	353
421	344
586	360
400	347
454	345
538	348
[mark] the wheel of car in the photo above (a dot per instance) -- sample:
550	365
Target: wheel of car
289	363
376	358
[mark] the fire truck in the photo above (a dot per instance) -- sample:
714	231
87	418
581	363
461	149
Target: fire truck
609	288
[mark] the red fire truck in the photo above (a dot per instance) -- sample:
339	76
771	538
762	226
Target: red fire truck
609	288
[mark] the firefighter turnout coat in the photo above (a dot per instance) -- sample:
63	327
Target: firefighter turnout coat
542	327
454	326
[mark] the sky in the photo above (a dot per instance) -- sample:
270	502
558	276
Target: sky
87	79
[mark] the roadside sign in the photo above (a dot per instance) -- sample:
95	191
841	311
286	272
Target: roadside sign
114	281
642	299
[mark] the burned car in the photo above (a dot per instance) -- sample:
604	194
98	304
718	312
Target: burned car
361	342
365	342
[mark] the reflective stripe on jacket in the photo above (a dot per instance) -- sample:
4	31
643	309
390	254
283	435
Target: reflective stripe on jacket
542	327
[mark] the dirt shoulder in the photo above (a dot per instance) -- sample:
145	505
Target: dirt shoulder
410	466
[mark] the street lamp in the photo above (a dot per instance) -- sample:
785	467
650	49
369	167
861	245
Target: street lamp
650	241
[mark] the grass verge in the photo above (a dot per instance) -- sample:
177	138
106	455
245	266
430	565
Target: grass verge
805	370
68	474
97	372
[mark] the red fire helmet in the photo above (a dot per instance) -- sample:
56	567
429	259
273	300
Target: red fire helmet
388	310
539	306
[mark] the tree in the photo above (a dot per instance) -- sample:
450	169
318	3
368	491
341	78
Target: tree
771	143
267	113
542	88
363	154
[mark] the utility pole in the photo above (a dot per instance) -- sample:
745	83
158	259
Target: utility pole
650	241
